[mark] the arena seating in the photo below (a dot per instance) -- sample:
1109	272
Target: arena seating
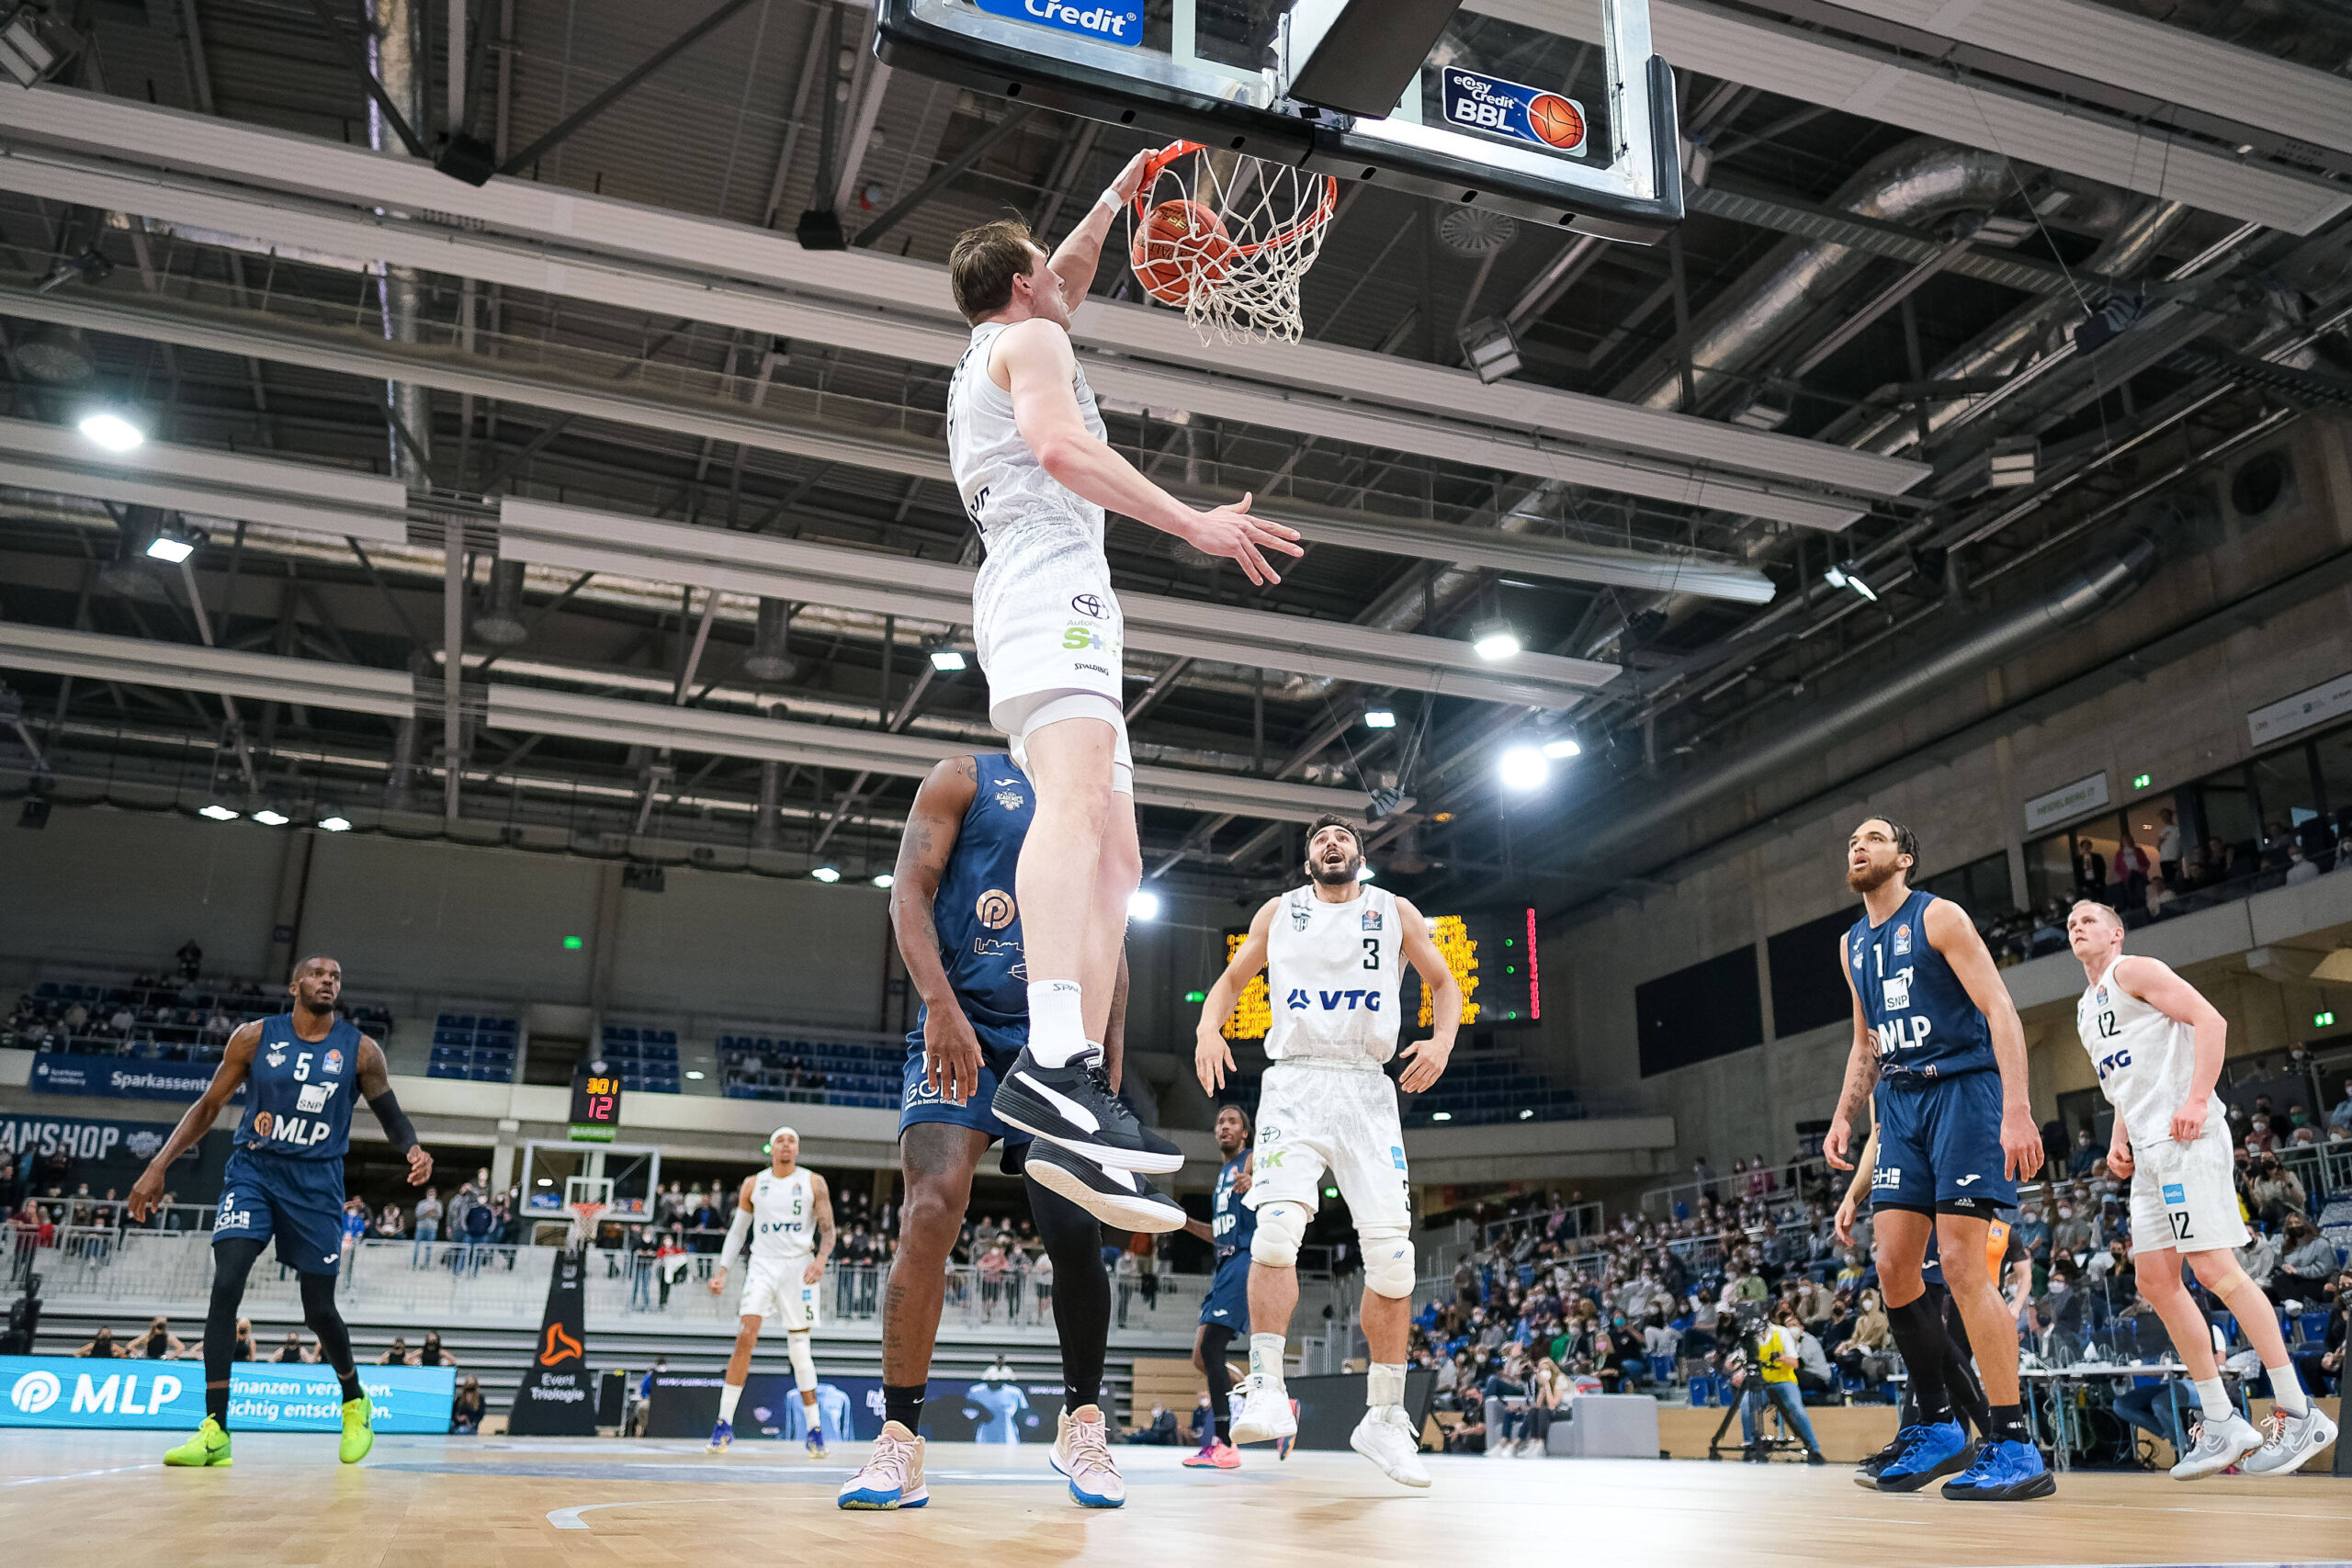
168	1016
810	1071
645	1056
481	1048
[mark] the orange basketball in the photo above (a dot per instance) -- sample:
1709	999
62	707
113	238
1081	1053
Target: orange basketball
1181	244
1556	120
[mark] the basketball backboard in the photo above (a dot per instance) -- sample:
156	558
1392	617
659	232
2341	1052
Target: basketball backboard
1573	133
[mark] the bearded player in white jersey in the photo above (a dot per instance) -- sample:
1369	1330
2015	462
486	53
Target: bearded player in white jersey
1331	953
787	1212
1027	446
2157	1046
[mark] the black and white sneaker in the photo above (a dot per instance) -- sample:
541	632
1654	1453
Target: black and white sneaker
1119	1199
1073	1106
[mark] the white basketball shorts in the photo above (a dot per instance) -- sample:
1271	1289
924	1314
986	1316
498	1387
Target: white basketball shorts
2183	1196
1319	1116
1050	634
775	1294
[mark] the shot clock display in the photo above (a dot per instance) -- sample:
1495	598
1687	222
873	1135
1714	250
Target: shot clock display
595	1103
1492	953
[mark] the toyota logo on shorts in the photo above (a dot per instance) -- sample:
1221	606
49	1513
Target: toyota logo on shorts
1087	604
34	1393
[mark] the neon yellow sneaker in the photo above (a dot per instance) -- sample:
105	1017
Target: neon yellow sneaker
209	1447
358	1433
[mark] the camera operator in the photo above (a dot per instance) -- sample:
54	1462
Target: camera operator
1765	1367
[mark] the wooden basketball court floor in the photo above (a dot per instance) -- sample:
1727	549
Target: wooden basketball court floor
88	1497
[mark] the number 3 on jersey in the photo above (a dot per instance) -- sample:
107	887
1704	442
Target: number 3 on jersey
1372	953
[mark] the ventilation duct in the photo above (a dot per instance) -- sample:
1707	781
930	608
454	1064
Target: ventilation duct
771	656
500	623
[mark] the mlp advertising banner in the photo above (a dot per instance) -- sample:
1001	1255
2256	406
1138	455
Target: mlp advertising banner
69	1391
119	1078
558	1394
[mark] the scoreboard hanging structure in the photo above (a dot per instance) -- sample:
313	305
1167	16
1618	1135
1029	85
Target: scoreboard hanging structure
1492	953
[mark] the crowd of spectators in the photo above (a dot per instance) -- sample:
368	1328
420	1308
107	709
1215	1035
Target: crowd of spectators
176	1015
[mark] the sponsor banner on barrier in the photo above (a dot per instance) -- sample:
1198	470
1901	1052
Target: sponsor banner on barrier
69	1391
960	1410
120	1078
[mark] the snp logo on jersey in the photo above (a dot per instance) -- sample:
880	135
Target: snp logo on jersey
315	1097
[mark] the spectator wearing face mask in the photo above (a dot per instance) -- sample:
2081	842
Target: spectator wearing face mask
2307	1262
2273	1191
2071	1236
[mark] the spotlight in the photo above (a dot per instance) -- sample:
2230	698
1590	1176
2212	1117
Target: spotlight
1364	871
1527	1115
1495	640
883	879
1522	768
270	819
1562	745
1490	347
1380	719
35	46
111	431
948	661
1441	1115
335	824
826	872
174	543
1846	577
219	813
1143	906
693	1077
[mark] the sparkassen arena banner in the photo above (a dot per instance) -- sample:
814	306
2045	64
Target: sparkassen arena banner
73	1391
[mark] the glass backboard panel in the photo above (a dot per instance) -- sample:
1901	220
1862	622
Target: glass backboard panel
1577	132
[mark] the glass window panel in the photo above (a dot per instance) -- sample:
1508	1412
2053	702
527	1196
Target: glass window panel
2049	870
2289	804
2335	777
2231	831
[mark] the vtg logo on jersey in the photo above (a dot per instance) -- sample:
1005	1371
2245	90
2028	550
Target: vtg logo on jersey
1372	919
1333	1002
1902	939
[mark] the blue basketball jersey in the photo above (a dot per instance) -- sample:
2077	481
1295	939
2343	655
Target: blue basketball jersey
1234	1225
1926	1026
298	1098
977	920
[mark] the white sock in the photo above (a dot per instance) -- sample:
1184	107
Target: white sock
2214	1399
1056	1022
1266	1358
1384	1385
2287	1390
727	1394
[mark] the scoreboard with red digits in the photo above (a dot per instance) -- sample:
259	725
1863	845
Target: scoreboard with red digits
595	1104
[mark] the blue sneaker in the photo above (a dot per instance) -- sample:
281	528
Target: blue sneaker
722	1437
1928	1451
2004	1473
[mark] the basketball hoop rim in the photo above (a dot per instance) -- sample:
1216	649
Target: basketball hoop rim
1157	164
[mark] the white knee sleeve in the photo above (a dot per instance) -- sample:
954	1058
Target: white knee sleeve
1387	1259
1281	1227
804	1365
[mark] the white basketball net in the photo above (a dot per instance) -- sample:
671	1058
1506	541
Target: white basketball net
1238	277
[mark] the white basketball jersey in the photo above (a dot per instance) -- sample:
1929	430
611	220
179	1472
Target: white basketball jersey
783	1216
2145	1060
1331	977
1006	490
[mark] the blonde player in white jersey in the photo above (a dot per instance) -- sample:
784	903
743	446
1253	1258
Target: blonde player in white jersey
787	1212
2157	1046
1330	951
1027	446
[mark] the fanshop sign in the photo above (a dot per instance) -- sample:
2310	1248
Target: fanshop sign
68	1391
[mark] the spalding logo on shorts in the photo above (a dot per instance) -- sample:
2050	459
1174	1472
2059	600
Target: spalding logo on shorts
995	910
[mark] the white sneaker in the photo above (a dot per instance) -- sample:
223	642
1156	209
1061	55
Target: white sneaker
1266	1414
2292	1441
892	1477
1081	1455
2217	1445
1386	1437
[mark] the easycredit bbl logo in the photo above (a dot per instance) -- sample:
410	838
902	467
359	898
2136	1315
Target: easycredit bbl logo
1546	118
1111	21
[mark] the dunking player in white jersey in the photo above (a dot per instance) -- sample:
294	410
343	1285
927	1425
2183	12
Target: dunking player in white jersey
1027	446
1331	953
789	1214
2158	1045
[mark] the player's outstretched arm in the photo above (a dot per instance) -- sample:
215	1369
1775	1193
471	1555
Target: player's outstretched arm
1955	936
951	1051
1862	1076
1039	370
1430	1056
2153	982
236	1064
1212	1057
823	1196
376	1088
1074	261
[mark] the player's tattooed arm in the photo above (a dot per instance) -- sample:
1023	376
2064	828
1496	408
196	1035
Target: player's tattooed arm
951	1051
823	1196
1212	1057
1953	934
376	1087
236	1064
1428	1057
1861	1077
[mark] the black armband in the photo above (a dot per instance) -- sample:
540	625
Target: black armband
395	1121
